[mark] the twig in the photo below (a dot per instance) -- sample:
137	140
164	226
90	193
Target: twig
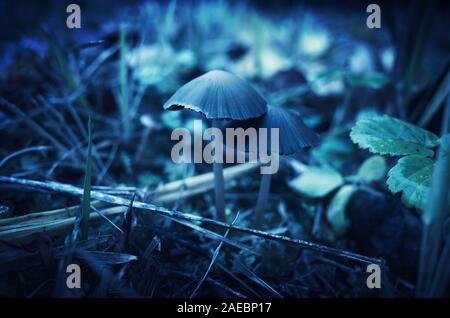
42	216
205	179
22	151
168	192
75	191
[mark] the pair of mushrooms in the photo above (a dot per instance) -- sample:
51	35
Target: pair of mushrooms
219	96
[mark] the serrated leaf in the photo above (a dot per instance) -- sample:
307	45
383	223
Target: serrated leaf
411	176
387	135
317	182
372	169
336	209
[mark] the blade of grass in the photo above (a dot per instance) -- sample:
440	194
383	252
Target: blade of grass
436	101
425	11
410	52
256	279
86	204
68	74
100	214
213	259
71	136
41	131
442	273
127	224
436	210
123	82
59	120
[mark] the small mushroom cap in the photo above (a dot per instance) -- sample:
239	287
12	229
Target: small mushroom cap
294	135
219	95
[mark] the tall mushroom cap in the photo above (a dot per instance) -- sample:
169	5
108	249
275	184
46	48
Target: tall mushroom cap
293	133
219	95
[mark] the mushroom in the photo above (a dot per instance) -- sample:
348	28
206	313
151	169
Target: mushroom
219	95
293	135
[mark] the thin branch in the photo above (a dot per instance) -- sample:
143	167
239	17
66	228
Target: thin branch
22	151
75	191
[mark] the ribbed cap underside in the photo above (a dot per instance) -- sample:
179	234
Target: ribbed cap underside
219	95
293	133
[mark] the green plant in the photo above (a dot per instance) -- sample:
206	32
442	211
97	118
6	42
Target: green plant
424	181
336	150
387	135
319	182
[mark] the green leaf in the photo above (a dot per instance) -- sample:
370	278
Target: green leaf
386	135
372	169
411	176
317	182
336	209
86	205
335	150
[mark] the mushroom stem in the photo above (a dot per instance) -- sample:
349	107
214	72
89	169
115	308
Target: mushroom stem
218	183
263	196
219	191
